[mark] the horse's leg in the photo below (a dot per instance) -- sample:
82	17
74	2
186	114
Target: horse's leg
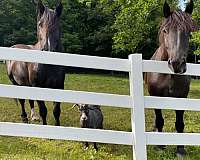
23	114
56	113
34	117
159	123
179	124
95	146
86	145
43	111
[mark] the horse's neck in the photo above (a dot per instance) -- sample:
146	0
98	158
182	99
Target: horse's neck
38	46
160	54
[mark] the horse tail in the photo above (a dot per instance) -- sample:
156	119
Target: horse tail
145	77
12	79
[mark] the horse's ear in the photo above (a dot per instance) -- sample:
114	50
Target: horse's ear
34	2
40	7
59	8
166	10
189	7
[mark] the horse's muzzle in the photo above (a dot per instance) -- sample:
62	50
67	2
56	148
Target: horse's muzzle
177	66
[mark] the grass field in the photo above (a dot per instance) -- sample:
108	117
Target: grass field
12	148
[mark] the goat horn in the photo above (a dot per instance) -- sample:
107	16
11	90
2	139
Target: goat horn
74	105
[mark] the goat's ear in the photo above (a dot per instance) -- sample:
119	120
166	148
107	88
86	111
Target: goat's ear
166	10
189	7
59	8
40	8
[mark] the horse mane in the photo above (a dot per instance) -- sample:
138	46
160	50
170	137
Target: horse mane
53	22
49	15
178	20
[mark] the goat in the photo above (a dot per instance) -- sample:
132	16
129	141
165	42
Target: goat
90	117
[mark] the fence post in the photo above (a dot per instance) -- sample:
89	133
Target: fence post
137	111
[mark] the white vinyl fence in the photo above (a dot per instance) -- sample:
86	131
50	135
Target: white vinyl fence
136	101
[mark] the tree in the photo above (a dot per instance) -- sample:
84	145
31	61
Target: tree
17	22
196	35
136	26
97	34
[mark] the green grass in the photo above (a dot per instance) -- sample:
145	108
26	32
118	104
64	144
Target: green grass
13	148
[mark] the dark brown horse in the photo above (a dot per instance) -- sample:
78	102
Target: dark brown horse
174	45
41	75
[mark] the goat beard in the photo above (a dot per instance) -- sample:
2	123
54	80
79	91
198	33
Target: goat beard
84	124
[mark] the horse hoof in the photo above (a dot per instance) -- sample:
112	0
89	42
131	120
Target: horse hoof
35	119
85	148
180	153
160	147
25	120
155	129
57	124
96	150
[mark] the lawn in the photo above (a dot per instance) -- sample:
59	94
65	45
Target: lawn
13	148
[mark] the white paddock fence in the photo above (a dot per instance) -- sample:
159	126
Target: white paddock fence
136	101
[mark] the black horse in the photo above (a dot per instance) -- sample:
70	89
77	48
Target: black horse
41	75
174	45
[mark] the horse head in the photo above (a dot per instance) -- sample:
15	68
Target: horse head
174	36
48	26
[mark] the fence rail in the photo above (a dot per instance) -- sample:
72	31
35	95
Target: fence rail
34	93
65	59
66	133
173	138
162	67
136	101
172	103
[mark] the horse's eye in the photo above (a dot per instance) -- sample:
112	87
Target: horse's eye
40	24
165	30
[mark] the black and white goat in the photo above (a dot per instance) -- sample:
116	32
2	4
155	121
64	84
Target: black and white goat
90	117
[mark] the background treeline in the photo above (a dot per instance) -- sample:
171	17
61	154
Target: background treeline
111	28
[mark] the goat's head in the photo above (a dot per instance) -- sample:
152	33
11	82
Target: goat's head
84	111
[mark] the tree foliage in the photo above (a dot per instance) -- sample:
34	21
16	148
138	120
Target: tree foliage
137	25
196	35
131	24
17	22
94	27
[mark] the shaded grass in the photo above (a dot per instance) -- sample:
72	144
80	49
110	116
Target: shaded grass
114	118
